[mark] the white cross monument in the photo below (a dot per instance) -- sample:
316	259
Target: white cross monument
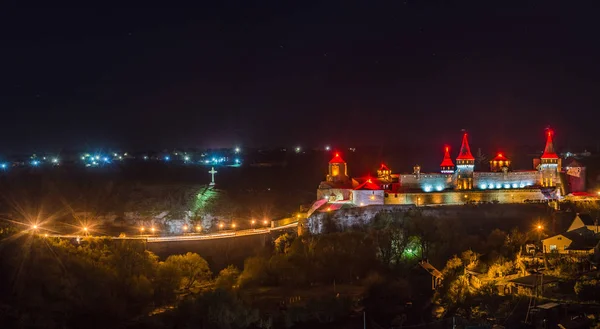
212	172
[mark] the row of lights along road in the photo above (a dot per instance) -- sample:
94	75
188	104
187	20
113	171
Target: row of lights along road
198	228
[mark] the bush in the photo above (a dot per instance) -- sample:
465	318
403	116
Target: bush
228	277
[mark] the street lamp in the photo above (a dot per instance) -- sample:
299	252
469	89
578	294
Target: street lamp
252	222
265	222
221	225
153	230
35	227
185	228
85	230
233	225
142	229
198	228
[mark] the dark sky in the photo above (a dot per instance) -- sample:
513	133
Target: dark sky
287	72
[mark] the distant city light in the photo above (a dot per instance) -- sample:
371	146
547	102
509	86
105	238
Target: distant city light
35	163
167	158
97	157
237	160
105	159
3	166
186	158
82	158
55	160
298	149
327	148
145	157
483	186
237	150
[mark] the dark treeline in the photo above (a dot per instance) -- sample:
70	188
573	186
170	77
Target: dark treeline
296	281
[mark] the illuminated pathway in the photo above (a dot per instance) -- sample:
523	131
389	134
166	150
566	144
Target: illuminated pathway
212	236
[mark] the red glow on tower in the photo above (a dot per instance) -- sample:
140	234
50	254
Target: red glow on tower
337	159
465	150
500	157
549	152
447	162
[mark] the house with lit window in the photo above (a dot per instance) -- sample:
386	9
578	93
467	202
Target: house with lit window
577	241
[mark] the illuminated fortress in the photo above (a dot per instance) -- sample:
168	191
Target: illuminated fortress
453	184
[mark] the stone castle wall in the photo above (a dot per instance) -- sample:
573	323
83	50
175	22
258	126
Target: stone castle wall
511	179
427	181
340	194
462	197
368	197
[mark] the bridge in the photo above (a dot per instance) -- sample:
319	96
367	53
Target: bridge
190	237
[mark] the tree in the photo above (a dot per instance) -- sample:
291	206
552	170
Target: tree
228	277
193	268
215	309
255	272
283	243
168	280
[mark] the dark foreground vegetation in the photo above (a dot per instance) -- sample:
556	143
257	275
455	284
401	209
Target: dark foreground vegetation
294	281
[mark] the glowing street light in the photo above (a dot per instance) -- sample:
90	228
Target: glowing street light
265	222
153	230
35	227
221	225
237	150
233	225
327	148
185	228
198	228
142	229
539	226
298	149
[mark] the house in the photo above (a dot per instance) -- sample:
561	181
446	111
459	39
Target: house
436	275
584	220
580	240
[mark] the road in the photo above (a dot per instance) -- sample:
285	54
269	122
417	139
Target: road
194	237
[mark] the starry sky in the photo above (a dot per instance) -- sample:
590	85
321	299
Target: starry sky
271	73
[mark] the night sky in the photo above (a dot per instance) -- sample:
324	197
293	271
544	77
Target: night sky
260	73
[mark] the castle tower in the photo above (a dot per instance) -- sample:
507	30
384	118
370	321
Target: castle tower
338	170
384	172
465	163
499	163
447	166
550	163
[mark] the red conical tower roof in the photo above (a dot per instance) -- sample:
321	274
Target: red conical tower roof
500	157
465	150
447	162
337	159
549	149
